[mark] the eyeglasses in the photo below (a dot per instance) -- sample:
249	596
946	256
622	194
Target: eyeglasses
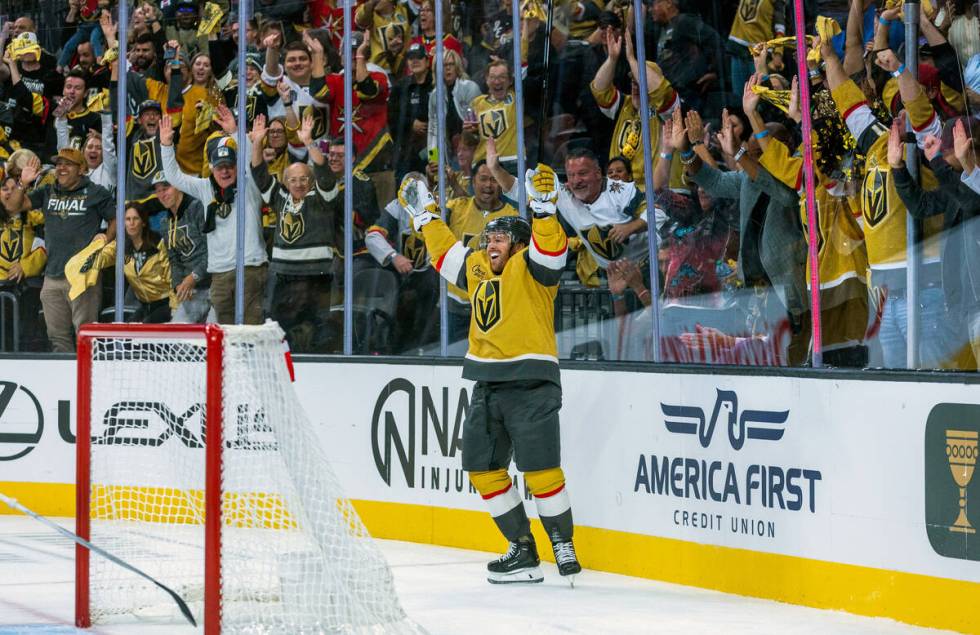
298	179
275	131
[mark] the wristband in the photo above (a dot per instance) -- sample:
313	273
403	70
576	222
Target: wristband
697	143
618	297
285	105
762	134
687	154
667	155
883	22
642	293
738	155
901	69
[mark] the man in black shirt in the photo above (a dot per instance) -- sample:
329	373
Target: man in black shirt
73	209
408	112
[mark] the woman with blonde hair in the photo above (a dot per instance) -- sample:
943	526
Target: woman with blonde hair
19	159
199	102
460	93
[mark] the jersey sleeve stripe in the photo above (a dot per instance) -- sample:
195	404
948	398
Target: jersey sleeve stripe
926	124
451	263
548	259
859	118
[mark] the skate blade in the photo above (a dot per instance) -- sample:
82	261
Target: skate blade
524	576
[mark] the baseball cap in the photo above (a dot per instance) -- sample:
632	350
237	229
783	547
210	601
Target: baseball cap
69	154
608	18
160	179
221	155
149	104
186	5
416	52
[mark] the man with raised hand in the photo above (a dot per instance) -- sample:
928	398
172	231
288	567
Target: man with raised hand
512	282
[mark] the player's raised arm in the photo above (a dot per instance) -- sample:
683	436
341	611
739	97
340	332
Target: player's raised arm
448	254
549	245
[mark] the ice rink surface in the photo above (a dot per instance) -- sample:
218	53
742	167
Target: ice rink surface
445	591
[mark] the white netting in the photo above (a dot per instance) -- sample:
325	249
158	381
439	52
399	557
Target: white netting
295	557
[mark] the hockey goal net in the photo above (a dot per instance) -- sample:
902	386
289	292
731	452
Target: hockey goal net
197	465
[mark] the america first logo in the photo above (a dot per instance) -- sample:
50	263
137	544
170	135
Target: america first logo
752	424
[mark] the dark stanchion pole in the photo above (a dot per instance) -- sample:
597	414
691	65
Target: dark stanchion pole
515	13
121	166
913	255
809	183
241	194
348	181
652	246
441	160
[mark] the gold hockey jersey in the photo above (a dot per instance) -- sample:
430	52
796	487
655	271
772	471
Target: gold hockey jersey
497	119
147	272
512	326
882	209
841	253
19	243
628	130
758	21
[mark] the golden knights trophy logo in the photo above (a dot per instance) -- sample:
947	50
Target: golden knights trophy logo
486	304
952	448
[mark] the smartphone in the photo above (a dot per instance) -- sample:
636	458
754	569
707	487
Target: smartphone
433	155
168	54
356	39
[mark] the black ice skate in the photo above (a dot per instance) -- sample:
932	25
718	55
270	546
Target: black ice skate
518	565
566	559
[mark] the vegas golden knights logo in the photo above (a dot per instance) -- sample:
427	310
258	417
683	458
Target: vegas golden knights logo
181	241
749	10
90	262
10	246
493	123
486	304
291	227
598	238
250	102
223	210
413	248
874	203
319	121
144	159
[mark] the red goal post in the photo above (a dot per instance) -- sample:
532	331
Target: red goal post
212	336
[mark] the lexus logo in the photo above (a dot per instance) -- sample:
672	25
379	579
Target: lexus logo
21	421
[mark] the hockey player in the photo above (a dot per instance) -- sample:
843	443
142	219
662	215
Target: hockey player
512	283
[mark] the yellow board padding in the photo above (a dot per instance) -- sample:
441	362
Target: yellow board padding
154	504
544	481
490	482
908	597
